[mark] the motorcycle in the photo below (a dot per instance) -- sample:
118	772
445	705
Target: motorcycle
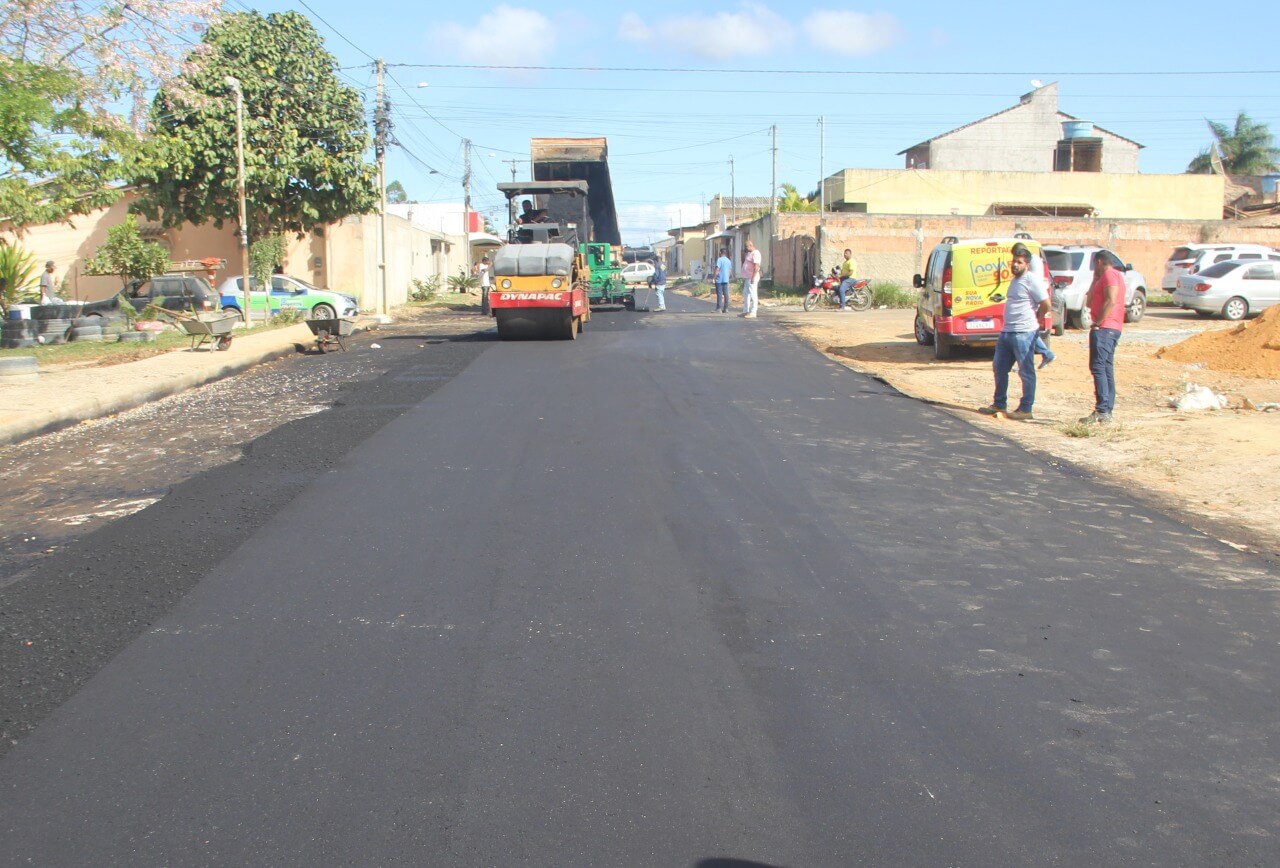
825	293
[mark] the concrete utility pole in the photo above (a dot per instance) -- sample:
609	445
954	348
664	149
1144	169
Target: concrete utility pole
466	217
245	277
380	130
733	196
511	202
773	201
773	189
822	172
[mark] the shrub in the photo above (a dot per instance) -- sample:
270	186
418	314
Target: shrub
126	254
463	282
18	268
424	290
888	294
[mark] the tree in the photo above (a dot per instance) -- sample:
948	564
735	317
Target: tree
304	133
126	254
1246	149
110	49
396	194
791	200
57	158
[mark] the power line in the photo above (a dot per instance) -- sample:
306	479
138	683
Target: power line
838	72
341	35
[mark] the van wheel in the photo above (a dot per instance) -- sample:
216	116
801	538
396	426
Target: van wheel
942	349
924	337
1082	318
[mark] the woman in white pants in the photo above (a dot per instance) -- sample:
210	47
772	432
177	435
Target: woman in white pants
750	279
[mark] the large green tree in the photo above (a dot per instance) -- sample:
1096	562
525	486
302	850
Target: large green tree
305	135
57	157
1245	149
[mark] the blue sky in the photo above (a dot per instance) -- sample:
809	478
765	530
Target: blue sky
679	92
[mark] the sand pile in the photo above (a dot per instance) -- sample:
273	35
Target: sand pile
1251	348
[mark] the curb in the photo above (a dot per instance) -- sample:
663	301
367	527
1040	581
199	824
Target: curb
64	417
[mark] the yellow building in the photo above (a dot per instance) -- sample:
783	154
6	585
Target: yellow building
1034	194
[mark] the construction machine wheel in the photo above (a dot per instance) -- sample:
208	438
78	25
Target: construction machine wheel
533	324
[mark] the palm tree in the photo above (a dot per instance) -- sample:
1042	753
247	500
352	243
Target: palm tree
1245	150
791	200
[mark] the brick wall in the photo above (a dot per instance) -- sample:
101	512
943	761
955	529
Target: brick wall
893	248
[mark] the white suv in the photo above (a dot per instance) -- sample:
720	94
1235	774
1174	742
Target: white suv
1071	271
1191	258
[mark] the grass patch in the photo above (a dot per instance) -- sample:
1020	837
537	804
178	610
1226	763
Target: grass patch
889	294
1081	430
111	352
1160	299
787	293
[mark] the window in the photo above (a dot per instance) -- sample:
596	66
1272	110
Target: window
1114	260
1219	269
1181	253
1265	271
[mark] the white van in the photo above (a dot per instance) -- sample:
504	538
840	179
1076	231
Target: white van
1190	258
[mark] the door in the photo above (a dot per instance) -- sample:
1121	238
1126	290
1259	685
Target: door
1261	286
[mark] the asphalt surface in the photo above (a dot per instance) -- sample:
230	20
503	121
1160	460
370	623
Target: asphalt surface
677	592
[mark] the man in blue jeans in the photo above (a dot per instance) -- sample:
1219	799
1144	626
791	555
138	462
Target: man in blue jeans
1025	307
724	273
1106	302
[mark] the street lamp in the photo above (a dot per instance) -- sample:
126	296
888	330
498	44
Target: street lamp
234	83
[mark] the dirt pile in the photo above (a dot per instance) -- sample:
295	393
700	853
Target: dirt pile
1251	348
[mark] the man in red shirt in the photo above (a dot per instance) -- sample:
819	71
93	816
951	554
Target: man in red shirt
1106	303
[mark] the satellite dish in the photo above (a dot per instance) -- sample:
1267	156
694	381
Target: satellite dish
1035	82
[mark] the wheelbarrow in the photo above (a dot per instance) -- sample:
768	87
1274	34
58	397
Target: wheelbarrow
331	331
215	328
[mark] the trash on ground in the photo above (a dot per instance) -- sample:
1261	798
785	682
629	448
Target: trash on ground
1198	398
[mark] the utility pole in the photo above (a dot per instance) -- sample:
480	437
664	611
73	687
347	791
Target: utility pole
733	196
511	202
773	203
380	128
822	172
245	277
773	189
466	217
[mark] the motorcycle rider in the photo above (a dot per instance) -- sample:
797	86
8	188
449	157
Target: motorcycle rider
847	269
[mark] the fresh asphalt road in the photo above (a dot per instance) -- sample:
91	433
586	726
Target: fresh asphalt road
677	592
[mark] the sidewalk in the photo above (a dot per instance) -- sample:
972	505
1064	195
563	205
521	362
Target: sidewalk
59	398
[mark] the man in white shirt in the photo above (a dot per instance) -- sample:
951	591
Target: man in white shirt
48	285
750	280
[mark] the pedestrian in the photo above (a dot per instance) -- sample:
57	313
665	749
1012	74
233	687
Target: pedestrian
48	285
1025	306
723	274
1106	304
658	280
485	272
750	280
848	269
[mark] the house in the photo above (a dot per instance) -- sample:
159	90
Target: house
1029	160
1032	136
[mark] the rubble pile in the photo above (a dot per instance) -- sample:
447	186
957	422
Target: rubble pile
1252	348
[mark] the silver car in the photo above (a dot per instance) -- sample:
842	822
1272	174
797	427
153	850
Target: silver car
1235	288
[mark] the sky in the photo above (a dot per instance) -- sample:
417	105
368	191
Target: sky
682	92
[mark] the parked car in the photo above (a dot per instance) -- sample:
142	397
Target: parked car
637	272
172	292
962	292
1071	270
288	292
1235	288
1191	258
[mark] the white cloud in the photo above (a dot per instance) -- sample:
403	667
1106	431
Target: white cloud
633	29
754	29
852	33
505	35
